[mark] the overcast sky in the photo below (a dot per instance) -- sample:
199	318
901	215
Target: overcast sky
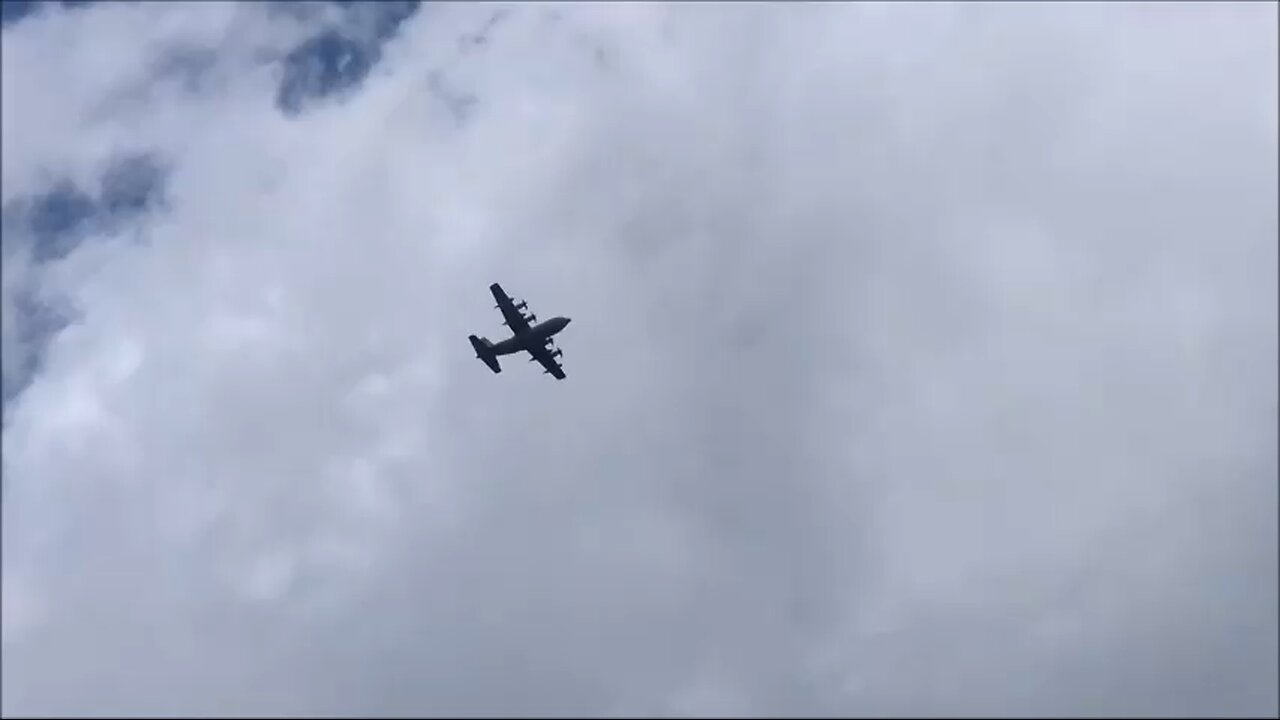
923	359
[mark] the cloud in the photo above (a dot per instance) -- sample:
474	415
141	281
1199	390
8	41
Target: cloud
922	360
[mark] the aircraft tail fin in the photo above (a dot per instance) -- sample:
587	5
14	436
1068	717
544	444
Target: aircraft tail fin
484	351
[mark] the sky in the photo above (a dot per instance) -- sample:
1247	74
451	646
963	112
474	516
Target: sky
923	359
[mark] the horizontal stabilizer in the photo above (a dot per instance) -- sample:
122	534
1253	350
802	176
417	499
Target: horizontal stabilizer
484	351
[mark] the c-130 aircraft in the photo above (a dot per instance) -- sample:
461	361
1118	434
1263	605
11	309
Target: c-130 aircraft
534	339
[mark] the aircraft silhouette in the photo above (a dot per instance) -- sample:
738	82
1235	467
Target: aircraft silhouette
534	339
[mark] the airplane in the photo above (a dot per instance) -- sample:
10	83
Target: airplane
534	339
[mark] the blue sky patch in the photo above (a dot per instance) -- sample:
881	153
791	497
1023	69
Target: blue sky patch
58	220
37	320
320	67
12	11
55	223
336	62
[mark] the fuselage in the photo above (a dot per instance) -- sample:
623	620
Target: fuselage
535	336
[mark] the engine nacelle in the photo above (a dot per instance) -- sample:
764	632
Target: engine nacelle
522	305
532	318
557	353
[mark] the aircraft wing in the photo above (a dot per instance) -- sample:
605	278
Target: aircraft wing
542	353
514	319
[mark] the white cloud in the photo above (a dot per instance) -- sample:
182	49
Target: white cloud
922	361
